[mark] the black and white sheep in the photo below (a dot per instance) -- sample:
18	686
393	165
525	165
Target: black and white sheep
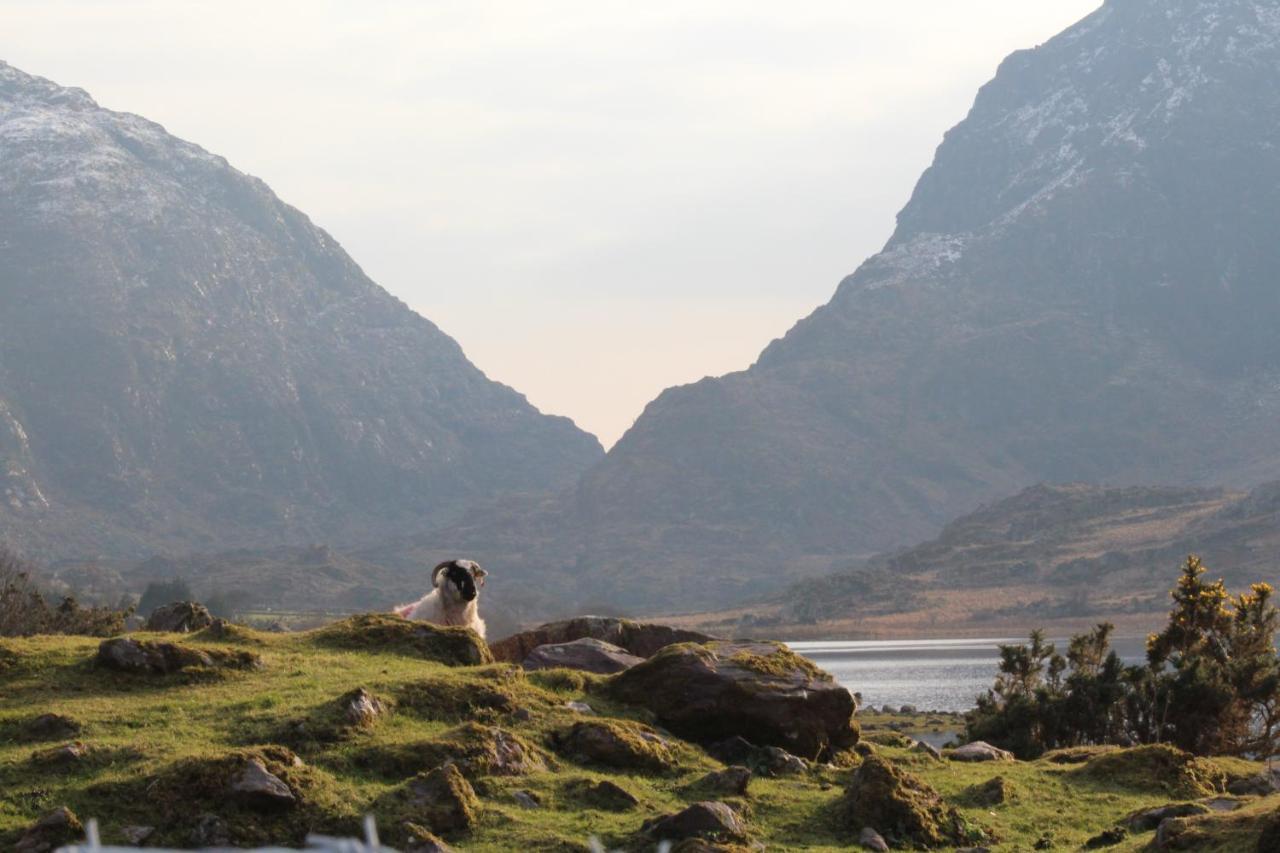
454	598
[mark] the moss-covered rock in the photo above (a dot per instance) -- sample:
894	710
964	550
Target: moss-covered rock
761	691
53	830
216	790
637	638
486	695
1075	754
604	794
993	792
385	632
709	820
126	654
900	806
442	800
614	743
477	750
48	727
1159	768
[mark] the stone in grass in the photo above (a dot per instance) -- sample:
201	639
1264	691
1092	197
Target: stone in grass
712	820
993	792
980	750
1146	820
50	727
180	617
614	743
422	841
361	709
53	830
67	755
872	840
258	788
585	654
927	749
527	800
905	808
732	781
605	795
444	800
136	834
1107	838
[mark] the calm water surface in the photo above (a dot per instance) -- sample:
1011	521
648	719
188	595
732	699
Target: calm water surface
941	675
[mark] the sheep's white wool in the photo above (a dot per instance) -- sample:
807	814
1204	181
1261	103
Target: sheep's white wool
444	605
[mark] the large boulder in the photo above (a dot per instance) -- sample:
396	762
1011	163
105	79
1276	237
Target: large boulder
762	692
180	617
900	806
637	638
586	654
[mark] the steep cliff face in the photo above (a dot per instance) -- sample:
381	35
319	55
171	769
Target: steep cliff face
186	362
1085	285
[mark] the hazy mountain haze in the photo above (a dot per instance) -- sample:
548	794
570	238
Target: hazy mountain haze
598	200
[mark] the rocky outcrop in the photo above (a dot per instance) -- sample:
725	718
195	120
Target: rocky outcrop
180	617
586	654
760	691
389	633
636	638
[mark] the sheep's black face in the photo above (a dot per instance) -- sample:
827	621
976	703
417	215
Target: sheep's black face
462	575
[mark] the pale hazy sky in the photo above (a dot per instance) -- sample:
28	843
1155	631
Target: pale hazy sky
597	198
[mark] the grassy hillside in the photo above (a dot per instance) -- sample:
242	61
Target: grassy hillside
159	749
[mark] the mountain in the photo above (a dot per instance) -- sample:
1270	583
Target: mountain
189	364
1084	286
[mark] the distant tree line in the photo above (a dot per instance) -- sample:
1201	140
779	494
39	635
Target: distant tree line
25	611
1210	684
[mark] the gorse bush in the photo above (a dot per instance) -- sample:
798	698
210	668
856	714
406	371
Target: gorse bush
1210	685
24	610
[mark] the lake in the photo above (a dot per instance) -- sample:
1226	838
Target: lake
932	675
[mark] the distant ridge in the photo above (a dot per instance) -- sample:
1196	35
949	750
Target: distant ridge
189	364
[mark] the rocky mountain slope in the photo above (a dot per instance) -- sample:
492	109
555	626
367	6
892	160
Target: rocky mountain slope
189	364
1083	287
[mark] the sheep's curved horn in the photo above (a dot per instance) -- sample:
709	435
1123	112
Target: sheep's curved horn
435	573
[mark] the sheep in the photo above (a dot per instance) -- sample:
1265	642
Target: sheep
454	598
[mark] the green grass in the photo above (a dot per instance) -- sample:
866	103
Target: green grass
161	748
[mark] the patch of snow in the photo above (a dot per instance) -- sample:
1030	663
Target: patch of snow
922	257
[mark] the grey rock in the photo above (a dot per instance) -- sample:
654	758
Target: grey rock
135	834
635	638
527	800
362	709
927	749
700	820
732	781
872	840
979	751
1149	819
586	654
258	787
